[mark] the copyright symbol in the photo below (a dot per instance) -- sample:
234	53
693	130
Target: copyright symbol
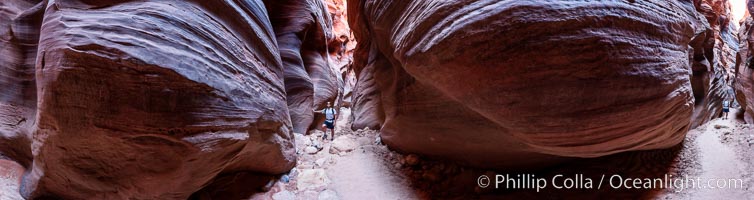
483	181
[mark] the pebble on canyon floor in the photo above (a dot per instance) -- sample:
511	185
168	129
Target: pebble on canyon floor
285	178
311	150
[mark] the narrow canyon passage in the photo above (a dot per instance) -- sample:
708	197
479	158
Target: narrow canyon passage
365	175
360	168
462	99
719	161
724	160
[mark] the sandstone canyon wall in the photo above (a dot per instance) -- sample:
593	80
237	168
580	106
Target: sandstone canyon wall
713	58
19	35
341	47
168	99
157	99
524	83
744	82
367	111
304	31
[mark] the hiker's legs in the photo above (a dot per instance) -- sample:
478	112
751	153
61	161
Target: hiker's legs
329	126
333	130
324	131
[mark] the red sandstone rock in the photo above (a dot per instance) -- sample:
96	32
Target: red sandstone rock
19	34
341	47
362	92
744	83
366	107
303	30
367	111
142	99
712	61
525	83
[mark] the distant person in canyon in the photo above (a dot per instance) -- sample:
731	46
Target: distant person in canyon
726	108
330	114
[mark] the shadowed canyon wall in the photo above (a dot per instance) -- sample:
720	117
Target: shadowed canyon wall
303	30
341	48
19	35
712	60
124	99
365	114
744	82
524	83
159	99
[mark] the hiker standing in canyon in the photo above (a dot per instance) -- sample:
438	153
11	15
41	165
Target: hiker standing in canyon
330	114
726	108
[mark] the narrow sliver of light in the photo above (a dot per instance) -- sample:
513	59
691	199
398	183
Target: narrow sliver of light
738	10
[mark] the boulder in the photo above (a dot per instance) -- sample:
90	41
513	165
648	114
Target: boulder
312	179
343	144
311	150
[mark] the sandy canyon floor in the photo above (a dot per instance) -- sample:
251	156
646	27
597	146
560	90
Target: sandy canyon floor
355	165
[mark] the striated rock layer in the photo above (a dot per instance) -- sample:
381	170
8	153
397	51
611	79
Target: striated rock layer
19	35
303	30
713	58
341	47
141	99
508	84
744	83
366	103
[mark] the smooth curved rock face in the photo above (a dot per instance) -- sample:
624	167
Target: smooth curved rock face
149	100
744	84
303	30
713	58
366	106
341	47
19	35
522	83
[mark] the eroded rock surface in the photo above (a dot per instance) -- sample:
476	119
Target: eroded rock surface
713	58
744	83
19	35
303	30
142	99
341	48
525	83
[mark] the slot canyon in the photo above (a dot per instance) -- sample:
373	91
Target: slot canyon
223	99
